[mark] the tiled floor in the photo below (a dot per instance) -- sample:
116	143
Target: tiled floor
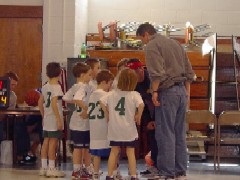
196	171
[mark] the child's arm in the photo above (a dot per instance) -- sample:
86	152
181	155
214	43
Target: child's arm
138	114
40	105
68	97
105	109
56	112
84	108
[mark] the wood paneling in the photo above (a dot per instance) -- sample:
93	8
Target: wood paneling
21	50
21	11
199	104
224	60
197	59
199	90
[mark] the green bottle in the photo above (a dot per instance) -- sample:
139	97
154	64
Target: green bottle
83	51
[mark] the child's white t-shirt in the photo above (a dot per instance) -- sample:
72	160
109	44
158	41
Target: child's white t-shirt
49	120
97	121
77	92
122	107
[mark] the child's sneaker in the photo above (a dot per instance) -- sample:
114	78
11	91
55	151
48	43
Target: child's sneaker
117	175
90	169
134	178
42	172
129	177
109	178
151	171
100	172
96	176
76	175
54	173
181	177
85	174
162	178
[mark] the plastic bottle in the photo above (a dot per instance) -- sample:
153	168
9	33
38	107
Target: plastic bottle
83	51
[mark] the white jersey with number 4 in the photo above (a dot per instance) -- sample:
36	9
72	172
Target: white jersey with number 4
97	121
49	120
122	107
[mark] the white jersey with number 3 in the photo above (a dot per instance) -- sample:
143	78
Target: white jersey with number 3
122	107
49	120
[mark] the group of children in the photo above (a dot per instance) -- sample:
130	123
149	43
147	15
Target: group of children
104	119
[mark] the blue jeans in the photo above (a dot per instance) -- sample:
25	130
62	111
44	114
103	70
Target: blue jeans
170	132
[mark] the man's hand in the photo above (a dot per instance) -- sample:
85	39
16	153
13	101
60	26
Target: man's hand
151	125
155	99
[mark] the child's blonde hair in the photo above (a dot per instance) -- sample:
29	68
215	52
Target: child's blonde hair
122	62
127	80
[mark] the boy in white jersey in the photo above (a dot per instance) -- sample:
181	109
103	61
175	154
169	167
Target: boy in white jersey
123	108
79	123
51	110
99	145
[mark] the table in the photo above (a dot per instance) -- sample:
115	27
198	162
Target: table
33	111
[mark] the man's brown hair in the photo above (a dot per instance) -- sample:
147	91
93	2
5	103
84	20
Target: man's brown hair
104	75
12	75
145	28
127	80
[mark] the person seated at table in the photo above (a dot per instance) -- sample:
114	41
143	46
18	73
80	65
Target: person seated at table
12	103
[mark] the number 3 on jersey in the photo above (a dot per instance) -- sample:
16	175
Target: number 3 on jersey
121	106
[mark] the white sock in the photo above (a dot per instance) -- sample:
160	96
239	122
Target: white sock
44	163
51	164
76	167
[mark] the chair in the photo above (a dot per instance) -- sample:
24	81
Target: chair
202	117
227	118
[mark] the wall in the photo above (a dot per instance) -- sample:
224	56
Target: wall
64	30
222	15
22	2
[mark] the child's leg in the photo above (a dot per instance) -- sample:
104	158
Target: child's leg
86	157
44	153
112	160
52	148
77	159
131	160
96	163
53	142
52	151
44	149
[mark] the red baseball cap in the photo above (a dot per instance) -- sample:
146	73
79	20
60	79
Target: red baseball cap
134	64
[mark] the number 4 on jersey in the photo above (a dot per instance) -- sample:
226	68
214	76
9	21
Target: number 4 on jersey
121	106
